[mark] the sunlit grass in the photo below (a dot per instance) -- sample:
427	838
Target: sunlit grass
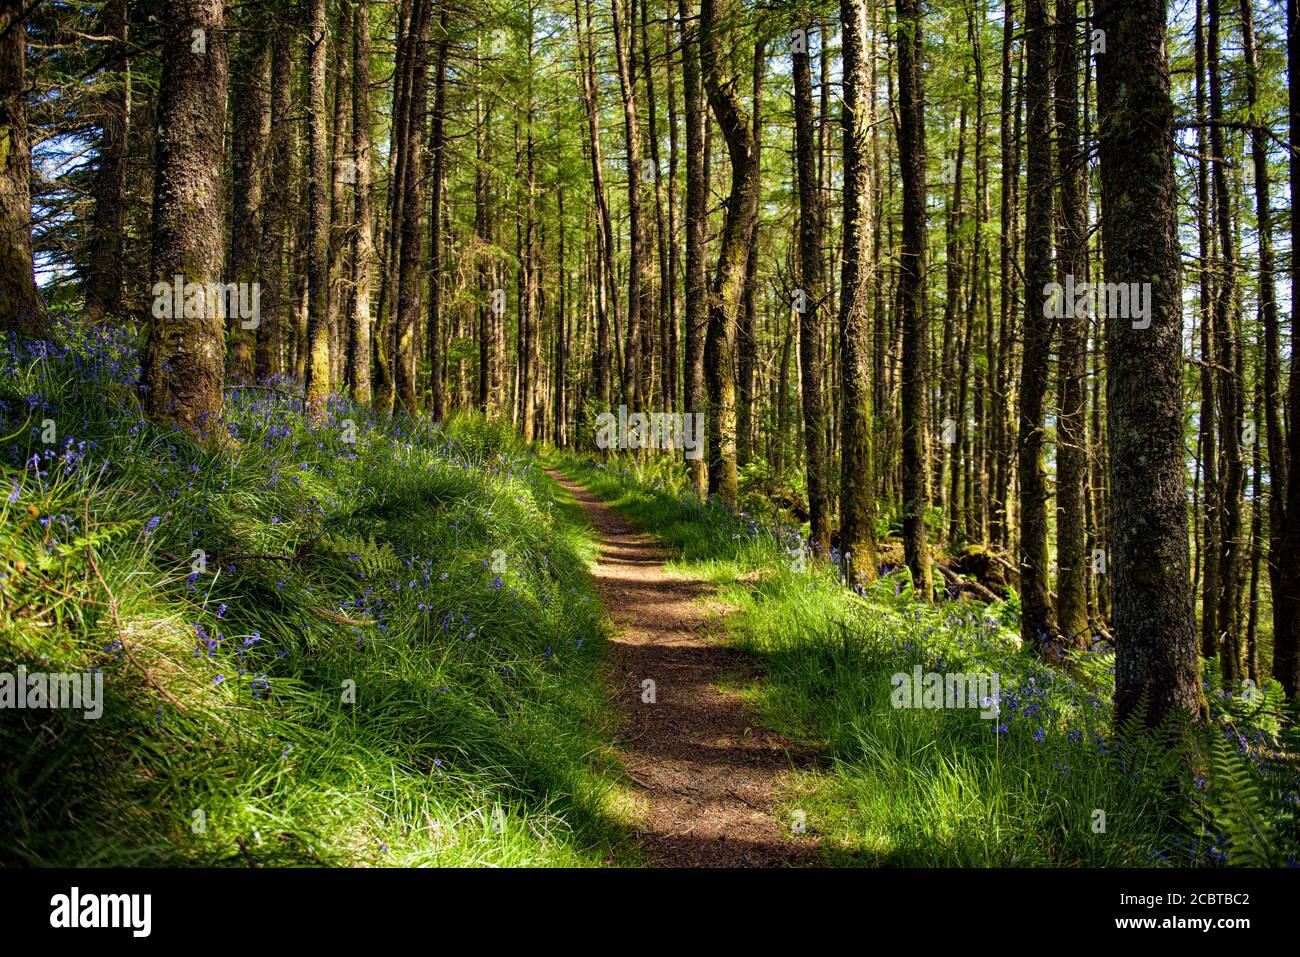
316	651
947	787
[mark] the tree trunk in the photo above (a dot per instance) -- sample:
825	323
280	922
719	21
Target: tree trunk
438	147
529	359
251	133
1072	422
341	172
411	244
104	278
946	407
1037	625
729	277
487	395
1156	662
746	333
1229	389
20	306
810	298
1209	456
317	386
632	130
183	368
560	403
661	225
607	295
911	294
999	520
386	331
1286	598
697	222
672	352
363	240
275	311
859	285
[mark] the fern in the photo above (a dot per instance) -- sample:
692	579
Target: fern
372	559
1235	810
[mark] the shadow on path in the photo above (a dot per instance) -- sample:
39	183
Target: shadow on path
707	775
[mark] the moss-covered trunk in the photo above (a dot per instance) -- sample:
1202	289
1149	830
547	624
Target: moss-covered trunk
184	358
20	307
1156	661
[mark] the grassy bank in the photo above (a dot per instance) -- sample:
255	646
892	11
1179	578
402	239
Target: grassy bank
1048	781
360	643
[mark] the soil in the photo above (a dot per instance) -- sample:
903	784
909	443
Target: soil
705	772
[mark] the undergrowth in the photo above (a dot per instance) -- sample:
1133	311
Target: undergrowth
358	642
1043	779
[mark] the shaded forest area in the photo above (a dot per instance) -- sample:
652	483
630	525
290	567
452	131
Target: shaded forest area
995	297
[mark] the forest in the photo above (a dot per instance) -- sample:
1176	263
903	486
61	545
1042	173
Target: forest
622	433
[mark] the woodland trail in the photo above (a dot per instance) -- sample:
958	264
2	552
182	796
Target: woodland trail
707	774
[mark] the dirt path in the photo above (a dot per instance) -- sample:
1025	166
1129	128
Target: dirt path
707	775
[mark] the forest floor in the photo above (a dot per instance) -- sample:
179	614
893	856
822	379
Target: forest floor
395	649
708	774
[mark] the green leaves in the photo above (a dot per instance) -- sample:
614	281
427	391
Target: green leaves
372	559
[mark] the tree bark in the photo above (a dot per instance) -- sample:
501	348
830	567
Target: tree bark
438	148
411	244
1037	624
813	293
1272	398
1156	663
664	240
1000	400
317	383
363	240
1072	423
1226	360
859	285
697	221
275	312
20	306
607	295
746	332
340	220
1208	551
251	133
1286	599
385	330
911	294
183	368
729	277
632	131
104	277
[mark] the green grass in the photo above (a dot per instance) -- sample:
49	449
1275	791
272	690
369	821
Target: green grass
375	643
947	787
402	656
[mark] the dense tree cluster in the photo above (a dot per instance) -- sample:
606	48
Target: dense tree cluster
1008	280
